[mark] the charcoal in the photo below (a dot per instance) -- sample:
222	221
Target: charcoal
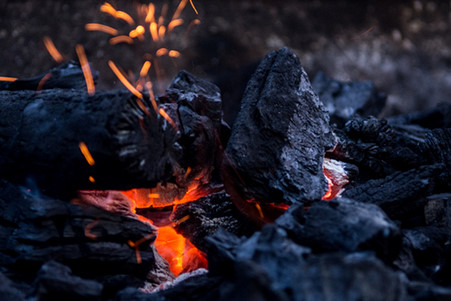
343	100
348	226
208	214
401	195
425	291
437	210
65	76
35	229
9	291
436	117
279	138
56	281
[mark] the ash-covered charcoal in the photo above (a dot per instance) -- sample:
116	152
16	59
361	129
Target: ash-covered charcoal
65	76
92	242
45	139
199	219
55	281
401	195
343	100
9	291
347	226
279	138
437	210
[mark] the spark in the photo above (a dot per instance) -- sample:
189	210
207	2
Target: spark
188	171
181	220
88	229
100	27
194	8
154	195
168	119
154	31
123	80
150	13
161	31
8	79
179	9
121	39
190	26
259	209
161	52
136	246
138	31
86	69
152	96
56	55
43	80
174	53
143	106
91	179
109	9
174	23
85	151
145	69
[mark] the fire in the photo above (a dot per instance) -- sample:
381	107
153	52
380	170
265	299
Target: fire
181	255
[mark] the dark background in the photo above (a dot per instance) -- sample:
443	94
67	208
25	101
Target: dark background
404	47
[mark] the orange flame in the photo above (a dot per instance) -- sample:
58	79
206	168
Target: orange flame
85	151
86	69
181	255
100	27
123	80
56	55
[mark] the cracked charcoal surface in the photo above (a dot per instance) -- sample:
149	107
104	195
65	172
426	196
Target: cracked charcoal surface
279	138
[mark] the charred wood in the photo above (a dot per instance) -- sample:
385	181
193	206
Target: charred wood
279	138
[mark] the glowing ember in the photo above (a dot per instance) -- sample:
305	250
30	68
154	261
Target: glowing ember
86	69
85	151
181	255
56	55
329	194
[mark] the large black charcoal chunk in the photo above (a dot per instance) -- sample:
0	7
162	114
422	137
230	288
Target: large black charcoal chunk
279	138
345	99
347	226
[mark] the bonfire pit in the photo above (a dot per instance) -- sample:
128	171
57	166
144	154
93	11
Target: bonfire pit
137	195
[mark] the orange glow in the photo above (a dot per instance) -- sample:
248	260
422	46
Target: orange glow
150	13
161	52
100	27
161	31
174	23
181	255
179	9
43	80
91	179
123	80
143	107
168	119
329	194
86	69
85	151
152	96
7	79
259	209
154	31
109	9
145	69
138	31
56	55
174	53
136	246
121	39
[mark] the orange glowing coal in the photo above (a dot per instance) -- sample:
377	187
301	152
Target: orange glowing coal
181	255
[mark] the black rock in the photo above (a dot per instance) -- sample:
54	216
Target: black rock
343	100
279	138
9	291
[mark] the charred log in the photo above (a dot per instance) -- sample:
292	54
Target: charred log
279	138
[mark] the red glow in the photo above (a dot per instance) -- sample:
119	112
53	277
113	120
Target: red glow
181	255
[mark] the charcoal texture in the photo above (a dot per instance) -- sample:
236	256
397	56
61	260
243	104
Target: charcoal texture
279	137
343	100
207	215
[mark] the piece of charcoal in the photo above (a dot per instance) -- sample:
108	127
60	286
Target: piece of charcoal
65	76
437	117
343	100
437	210
55	281
401	195
9	291
347	226
278	140
92	242
424	291
208	214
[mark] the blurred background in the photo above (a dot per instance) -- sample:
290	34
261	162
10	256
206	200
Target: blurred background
404	47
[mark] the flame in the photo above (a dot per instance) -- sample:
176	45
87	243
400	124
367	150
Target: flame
86	69
85	151
181	255
100	27
56	55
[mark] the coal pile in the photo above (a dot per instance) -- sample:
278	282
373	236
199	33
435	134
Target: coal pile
264	223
